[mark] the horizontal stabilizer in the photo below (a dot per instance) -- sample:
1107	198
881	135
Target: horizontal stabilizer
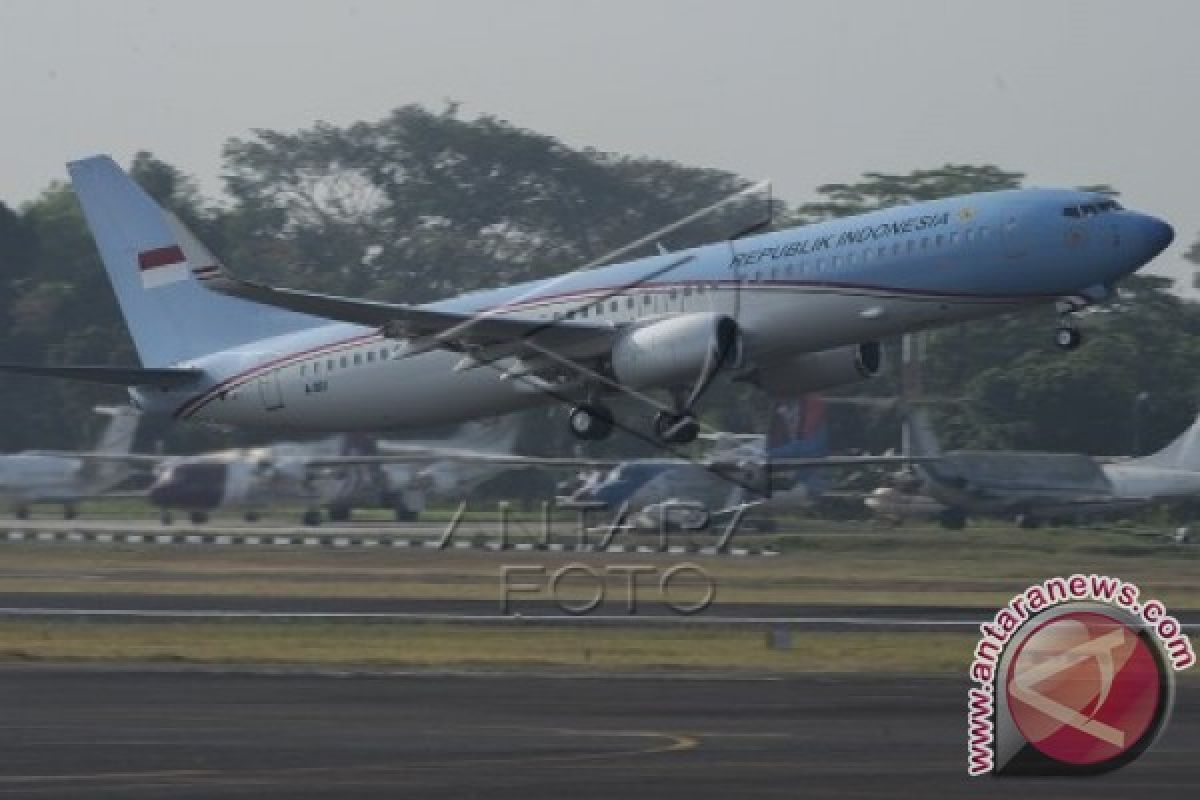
160	377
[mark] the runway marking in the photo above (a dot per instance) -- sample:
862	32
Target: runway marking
674	743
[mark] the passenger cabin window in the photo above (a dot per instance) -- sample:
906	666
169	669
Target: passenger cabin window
357	359
370	356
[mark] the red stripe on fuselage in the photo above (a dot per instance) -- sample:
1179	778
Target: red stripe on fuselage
160	257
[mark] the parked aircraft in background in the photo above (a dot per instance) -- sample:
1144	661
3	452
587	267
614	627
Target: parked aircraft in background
250	480
449	471
336	474
786	471
66	478
795	310
648	488
1037	487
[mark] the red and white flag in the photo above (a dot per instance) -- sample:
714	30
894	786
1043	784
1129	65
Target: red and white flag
162	266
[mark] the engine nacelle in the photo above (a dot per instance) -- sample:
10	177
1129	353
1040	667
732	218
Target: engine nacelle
813	372
674	350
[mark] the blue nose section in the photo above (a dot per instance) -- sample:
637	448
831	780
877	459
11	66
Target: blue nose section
1156	235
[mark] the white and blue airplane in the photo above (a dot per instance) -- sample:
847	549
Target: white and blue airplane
794	310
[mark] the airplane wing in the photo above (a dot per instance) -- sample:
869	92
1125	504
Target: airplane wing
158	377
422	455
136	459
407	454
497	337
429	328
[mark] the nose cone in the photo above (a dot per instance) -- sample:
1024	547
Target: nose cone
1155	235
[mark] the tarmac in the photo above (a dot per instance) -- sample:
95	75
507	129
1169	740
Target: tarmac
136	732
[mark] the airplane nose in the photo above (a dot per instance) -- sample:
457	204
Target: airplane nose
1156	234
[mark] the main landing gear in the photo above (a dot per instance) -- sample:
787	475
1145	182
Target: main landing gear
676	427
1067	335
591	421
677	424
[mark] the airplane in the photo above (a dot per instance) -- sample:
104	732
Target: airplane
448	471
253	479
66	478
794	310
1035	487
336	473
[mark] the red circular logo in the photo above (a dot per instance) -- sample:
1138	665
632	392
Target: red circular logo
1084	688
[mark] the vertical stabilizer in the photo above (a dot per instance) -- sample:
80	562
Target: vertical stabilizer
1183	453
147	255
920	439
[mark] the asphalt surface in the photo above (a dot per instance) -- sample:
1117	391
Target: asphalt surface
133	607
137	733
159	606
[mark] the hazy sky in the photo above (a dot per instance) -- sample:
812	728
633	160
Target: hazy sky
1072	93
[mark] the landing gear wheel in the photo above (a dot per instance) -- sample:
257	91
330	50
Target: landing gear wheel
311	518
198	517
165	518
70	512
340	513
251	516
590	422
22	513
1028	522
675	428
1067	337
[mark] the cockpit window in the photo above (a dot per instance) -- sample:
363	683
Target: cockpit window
1092	209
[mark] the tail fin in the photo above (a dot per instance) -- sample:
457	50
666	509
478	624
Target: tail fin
147	255
799	428
920	440
1183	453
121	430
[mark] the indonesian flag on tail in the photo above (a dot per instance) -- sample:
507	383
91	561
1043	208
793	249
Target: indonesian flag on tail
162	266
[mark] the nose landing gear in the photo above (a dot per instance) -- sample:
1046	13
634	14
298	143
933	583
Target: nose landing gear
1067	336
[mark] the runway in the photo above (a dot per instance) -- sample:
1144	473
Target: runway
138	733
152	607
133	607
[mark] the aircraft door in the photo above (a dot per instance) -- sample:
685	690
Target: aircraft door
1012	232
270	391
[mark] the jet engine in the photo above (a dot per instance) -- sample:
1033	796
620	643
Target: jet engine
675	350
813	372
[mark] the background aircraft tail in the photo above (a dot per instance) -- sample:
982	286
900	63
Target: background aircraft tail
119	434
1183	453
920	440
149	259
